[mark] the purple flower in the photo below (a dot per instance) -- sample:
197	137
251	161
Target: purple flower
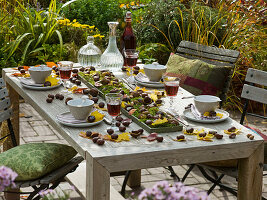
164	191
7	178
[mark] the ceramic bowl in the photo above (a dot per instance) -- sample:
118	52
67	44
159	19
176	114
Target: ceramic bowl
39	74
154	72
80	108
206	103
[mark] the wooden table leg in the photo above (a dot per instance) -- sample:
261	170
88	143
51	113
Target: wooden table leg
97	180
134	178
250	175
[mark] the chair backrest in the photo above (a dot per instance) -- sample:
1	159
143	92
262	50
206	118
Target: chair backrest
6	111
252	92
212	55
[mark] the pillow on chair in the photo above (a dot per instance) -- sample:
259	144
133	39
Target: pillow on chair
199	77
34	160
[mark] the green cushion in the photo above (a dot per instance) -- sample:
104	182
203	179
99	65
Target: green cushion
34	160
199	77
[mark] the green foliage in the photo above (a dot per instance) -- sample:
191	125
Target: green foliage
154	52
94	12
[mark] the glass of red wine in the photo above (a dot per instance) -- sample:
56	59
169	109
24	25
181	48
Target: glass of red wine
131	56
171	84
65	68
114	107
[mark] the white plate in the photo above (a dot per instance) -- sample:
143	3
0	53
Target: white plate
189	115
78	125
40	88
150	84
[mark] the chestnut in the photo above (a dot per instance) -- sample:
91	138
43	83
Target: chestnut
100	141
122	128
101	104
232	136
95	139
159	139
88	133
51	96
110	131
49	100
114	136
180	137
119	118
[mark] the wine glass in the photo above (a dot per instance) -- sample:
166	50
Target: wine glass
114	107
131	56
65	68
171	84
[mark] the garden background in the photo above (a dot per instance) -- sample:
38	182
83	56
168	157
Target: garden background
34	32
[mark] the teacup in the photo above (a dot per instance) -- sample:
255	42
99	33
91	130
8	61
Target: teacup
155	71
206	103
39	74
80	108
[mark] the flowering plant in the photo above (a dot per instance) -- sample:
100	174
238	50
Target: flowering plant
164	191
50	194
7	178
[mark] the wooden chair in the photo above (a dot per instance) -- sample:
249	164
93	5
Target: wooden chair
250	92
211	55
49	181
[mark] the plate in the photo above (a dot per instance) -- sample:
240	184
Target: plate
190	116
150	84
76	124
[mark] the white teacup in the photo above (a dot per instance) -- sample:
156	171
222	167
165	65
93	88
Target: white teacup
80	108
155	71
206	103
39	74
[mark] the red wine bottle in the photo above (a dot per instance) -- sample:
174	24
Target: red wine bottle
128	39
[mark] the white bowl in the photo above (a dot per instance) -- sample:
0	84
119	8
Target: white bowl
206	103
39	74
154	72
80	108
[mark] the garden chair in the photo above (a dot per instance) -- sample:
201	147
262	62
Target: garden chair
249	92
49	180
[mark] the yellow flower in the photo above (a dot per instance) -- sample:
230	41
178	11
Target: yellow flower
132	3
122	5
74	20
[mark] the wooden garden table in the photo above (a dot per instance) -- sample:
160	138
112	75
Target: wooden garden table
141	154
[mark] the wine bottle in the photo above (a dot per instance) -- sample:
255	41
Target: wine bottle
128	39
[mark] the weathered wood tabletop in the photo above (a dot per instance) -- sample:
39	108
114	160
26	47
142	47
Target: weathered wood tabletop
139	153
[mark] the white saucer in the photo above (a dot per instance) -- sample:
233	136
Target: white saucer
190	116
77	124
150	84
28	83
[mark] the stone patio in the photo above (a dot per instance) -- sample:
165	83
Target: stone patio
35	129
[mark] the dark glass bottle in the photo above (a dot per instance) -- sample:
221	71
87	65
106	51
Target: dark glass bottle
128	39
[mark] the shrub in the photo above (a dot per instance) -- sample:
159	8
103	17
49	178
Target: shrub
94	12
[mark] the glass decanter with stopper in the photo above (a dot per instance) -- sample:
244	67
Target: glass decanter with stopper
112	59
89	54
128	39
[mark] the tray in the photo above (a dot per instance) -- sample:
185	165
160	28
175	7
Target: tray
135	119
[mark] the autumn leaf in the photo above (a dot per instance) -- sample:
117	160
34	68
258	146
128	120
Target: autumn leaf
53	80
208	137
160	121
237	131
121	137
51	64
195	132
154	97
98	116
97	107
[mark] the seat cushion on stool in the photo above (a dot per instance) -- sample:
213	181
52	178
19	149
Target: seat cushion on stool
199	77
32	161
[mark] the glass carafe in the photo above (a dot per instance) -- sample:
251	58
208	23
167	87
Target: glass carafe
89	54
112	59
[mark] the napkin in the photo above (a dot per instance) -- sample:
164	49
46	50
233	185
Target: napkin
68	118
143	78
29	81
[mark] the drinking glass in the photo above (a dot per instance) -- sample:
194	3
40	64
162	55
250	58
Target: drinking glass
114	107
171	84
131	56
65	68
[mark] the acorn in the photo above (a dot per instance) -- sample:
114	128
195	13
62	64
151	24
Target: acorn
49	100
101	104
93	92
114	136
47	83
95	99
122	128
51	96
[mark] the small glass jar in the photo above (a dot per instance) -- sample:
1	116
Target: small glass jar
89	54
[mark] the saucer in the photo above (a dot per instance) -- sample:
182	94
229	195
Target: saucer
68	120
142	79
188	114
30	84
